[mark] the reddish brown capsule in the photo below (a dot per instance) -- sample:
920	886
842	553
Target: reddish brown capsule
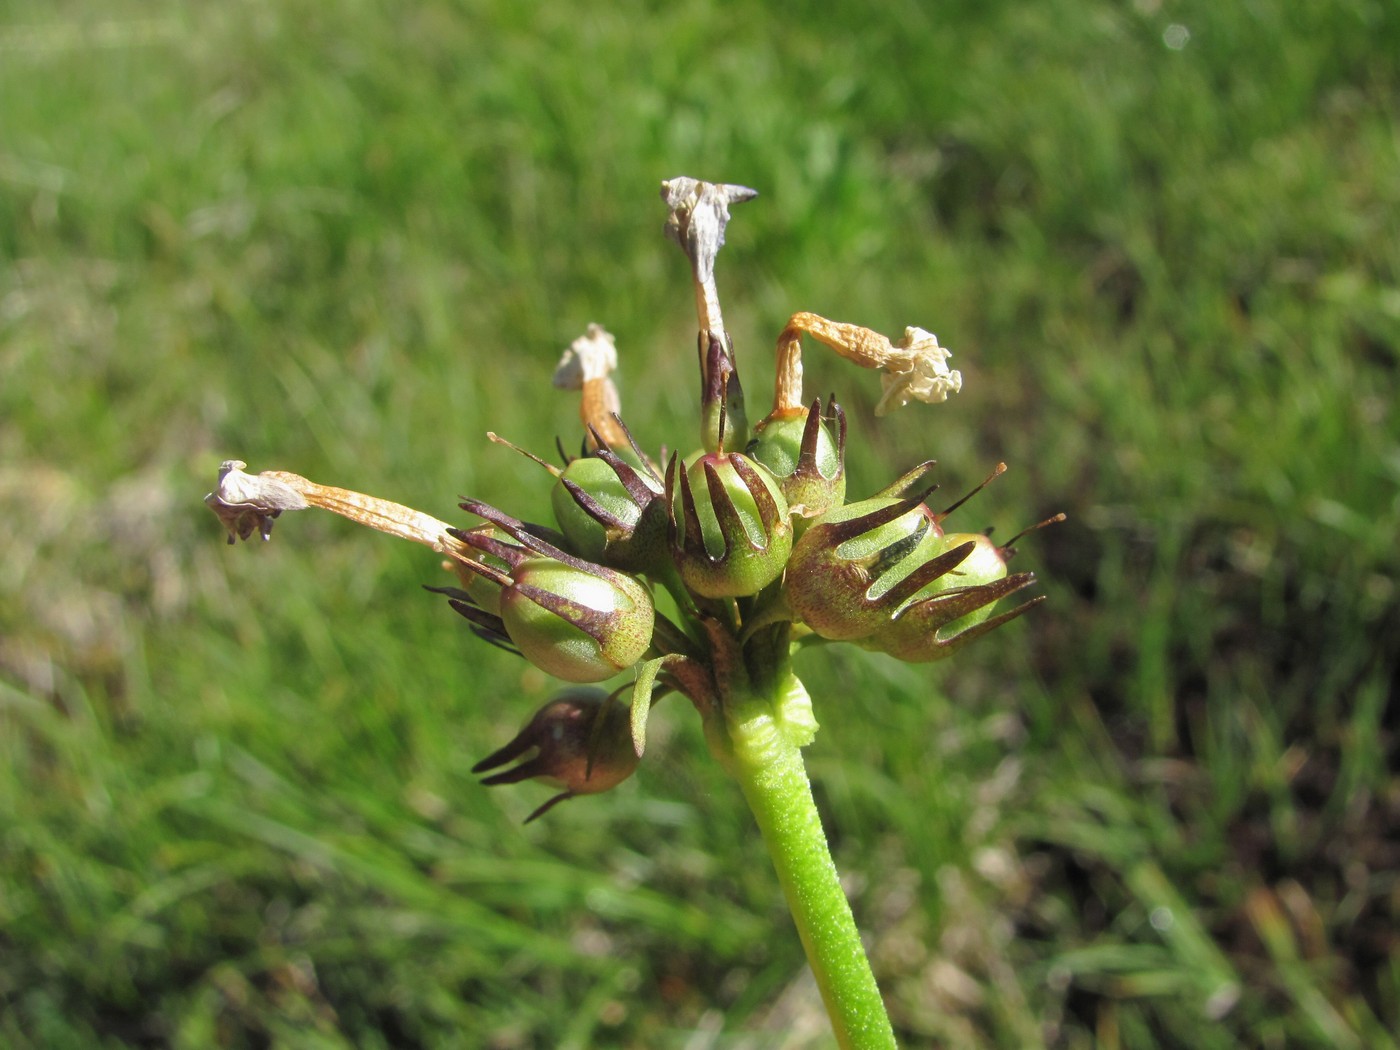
856	566
582	743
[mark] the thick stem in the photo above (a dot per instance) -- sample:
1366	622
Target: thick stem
767	761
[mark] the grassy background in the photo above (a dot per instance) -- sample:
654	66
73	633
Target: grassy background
346	239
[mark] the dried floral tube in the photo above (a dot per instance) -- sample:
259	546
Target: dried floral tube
587	365
697	215
248	503
915	368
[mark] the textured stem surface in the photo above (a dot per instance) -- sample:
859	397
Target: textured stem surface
770	770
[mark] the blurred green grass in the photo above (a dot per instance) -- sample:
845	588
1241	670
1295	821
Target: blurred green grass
346	240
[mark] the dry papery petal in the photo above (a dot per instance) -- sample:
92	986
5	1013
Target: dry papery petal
921	373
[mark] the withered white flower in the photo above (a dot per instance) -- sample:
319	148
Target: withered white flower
915	368
920	373
587	365
592	355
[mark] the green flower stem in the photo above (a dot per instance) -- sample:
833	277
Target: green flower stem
767	761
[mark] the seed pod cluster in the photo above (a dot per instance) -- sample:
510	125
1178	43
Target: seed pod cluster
750	534
748	541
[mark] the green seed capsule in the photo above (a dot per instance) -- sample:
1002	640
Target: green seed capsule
806	452
611	512
730	534
581	625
